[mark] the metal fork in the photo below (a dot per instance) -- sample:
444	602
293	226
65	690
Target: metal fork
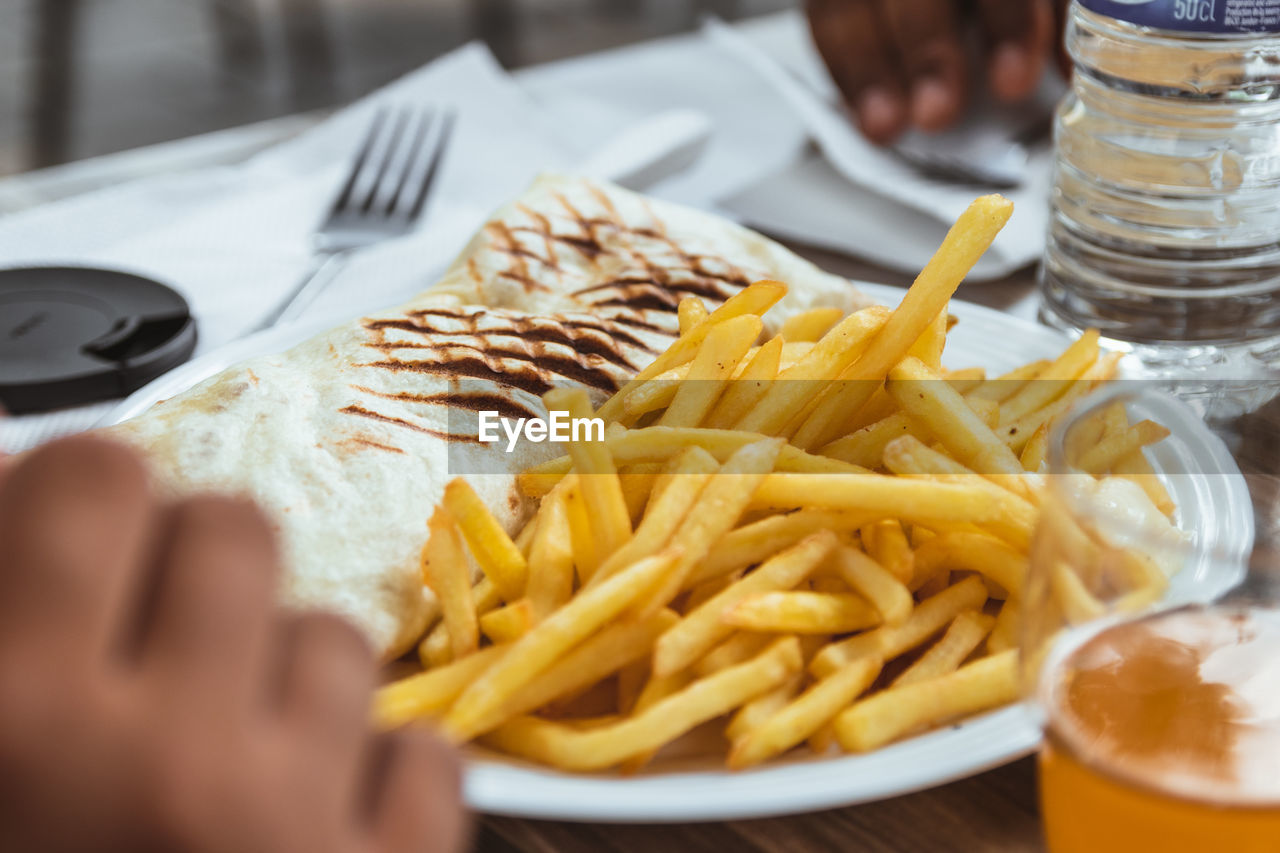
381	198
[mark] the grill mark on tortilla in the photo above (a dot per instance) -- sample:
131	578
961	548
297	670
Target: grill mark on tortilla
705	282
544	227
600	324
641	323
519	328
474	401
651	300
536	379
619	334
699	288
362	412
376	445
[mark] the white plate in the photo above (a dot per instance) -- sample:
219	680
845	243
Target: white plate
690	790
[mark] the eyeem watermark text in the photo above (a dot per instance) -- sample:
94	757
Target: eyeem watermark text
558	426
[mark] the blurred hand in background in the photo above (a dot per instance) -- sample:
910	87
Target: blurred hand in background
906	63
153	698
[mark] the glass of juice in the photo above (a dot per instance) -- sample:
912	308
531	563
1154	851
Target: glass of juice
1159	693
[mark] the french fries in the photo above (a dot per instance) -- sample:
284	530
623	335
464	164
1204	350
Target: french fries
802	613
767	527
892	713
700	630
446	571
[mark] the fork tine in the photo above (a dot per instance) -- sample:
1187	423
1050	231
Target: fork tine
419	178
375	165
357	166
400	159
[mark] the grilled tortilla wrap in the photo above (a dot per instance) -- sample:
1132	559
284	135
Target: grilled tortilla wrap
348	439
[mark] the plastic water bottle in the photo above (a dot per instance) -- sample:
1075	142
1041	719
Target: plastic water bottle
1165	230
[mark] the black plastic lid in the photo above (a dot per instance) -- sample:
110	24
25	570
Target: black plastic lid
74	335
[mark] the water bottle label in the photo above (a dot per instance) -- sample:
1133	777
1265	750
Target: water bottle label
1198	16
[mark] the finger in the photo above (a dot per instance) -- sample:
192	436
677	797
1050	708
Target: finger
1018	34
74	529
417	802
325	684
927	36
853	41
207	629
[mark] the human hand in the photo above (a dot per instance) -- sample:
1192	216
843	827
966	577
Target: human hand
152	698
903	63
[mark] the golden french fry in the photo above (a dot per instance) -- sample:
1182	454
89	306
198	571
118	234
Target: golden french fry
689	474
761	708
928	347
593	749
702	629
742	646
1100	458
428	693
746	389
810	325
655	690
1006	385
1018	432
1016	517
659	444
549	639
889	641
899	711
988	411
690	312
754	299
753	543
715	512
587	554
606	652
1054	380
924	394
805	715
1036	450
710	371
1135	467
436	648
866	446
597	475
551	559
821	741
975	552
898	497
447	572
1005	633
968	238
656	393
802	612
1077	603
508	624
524	539
886	542
706	590
498	557
890	596
967	379
966	633
796	385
